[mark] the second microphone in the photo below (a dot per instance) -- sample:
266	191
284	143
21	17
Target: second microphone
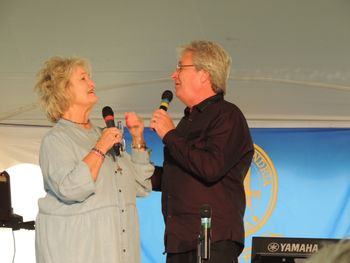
108	116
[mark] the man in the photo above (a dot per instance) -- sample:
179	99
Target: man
206	158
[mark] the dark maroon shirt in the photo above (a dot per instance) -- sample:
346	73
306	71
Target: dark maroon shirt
205	161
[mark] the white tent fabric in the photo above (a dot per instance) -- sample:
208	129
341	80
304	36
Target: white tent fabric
19	145
290	58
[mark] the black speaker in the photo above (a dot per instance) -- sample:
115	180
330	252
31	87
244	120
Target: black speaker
285	249
5	197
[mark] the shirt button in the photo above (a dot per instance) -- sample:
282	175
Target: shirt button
124	250
123	230
122	210
120	190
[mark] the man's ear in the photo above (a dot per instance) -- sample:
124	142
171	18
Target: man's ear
204	76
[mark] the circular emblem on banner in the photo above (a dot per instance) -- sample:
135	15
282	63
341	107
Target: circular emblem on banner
261	191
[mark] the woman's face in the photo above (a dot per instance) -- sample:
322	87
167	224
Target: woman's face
82	88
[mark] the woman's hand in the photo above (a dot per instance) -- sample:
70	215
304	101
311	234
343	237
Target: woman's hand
136	126
109	137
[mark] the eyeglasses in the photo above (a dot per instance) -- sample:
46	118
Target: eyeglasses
179	67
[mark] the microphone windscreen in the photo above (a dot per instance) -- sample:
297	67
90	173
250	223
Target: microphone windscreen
107	111
167	95
205	211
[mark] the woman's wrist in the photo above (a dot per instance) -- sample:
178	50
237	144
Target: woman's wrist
98	152
139	146
138	142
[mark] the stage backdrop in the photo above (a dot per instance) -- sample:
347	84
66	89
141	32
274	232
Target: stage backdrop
298	186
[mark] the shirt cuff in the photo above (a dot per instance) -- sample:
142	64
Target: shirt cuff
168	138
140	157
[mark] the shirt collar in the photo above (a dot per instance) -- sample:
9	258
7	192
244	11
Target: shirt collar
205	103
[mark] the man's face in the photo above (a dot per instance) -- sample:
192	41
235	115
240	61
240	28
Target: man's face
186	79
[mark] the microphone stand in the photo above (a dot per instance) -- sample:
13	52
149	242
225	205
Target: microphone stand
16	223
199	249
204	237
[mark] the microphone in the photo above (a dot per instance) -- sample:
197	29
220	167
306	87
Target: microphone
108	116
167	97
205	231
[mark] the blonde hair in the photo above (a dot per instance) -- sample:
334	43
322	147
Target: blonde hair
53	84
212	58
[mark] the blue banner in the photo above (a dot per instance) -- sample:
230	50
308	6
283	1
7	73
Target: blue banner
298	186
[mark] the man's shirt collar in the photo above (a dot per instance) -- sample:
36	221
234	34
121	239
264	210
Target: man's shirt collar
205	103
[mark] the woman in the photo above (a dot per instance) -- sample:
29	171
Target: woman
89	212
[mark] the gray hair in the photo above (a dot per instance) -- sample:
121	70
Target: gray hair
212	58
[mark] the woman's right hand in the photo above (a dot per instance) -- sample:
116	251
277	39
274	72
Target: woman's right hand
109	137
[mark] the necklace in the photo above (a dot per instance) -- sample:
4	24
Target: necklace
79	123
